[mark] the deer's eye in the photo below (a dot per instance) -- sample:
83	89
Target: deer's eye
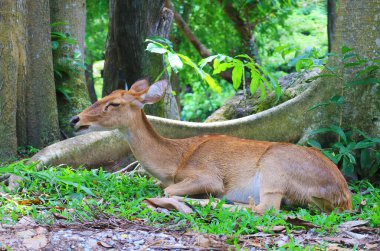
111	104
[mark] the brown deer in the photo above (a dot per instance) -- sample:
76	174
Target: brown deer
237	169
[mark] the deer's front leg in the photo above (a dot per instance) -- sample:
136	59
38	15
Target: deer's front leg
196	185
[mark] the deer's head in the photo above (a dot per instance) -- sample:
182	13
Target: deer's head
119	108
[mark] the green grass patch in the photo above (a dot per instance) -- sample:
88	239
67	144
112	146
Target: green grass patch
79	195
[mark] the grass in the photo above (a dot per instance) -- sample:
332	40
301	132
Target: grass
75	194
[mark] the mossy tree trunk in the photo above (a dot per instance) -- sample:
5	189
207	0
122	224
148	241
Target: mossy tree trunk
28	111
73	15
131	22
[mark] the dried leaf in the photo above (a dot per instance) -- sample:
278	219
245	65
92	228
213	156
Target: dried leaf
169	203
59	217
350	224
345	241
355	235
104	244
299	222
29	202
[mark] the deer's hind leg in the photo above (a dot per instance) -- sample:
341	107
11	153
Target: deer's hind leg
268	200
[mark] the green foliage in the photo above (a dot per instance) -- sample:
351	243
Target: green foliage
26	151
303	29
96	29
68	64
243	67
175	61
201	101
80	195
354	151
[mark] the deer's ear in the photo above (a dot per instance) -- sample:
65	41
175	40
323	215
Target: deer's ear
155	92
140	86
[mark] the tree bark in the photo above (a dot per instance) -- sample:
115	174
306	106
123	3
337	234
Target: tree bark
331	22
130	24
111	70
11	34
73	14
28	110
90	83
40	96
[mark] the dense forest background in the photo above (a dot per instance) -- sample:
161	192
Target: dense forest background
298	27
224	59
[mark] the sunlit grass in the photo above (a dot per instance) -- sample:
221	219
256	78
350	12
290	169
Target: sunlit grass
79	195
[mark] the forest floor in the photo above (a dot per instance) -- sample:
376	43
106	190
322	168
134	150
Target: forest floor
67	209
116	234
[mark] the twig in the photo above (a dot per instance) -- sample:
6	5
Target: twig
125	169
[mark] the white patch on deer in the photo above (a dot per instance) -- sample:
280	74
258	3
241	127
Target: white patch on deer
243	194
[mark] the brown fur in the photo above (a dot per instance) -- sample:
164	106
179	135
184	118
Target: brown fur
218	164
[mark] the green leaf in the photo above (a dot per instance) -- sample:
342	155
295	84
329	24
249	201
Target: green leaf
222	67
207	60
314	143
364	144
245	56
237	74
349	55
212	83
366	81
353	64
367	70
255	80
345	49
155	48
340	132
304	63
175	62
332	157
161	40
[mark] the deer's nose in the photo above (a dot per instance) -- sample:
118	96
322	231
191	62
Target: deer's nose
74	120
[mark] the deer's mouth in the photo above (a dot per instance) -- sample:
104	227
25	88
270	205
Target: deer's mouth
82	128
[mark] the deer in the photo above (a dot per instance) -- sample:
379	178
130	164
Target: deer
239	170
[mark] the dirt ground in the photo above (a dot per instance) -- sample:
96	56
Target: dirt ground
116	234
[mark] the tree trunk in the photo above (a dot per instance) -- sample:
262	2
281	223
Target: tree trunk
331	22
72	13
40	96
90	83
130	24
11	36
28	109
111	70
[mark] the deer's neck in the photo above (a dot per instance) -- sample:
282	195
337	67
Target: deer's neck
158	155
